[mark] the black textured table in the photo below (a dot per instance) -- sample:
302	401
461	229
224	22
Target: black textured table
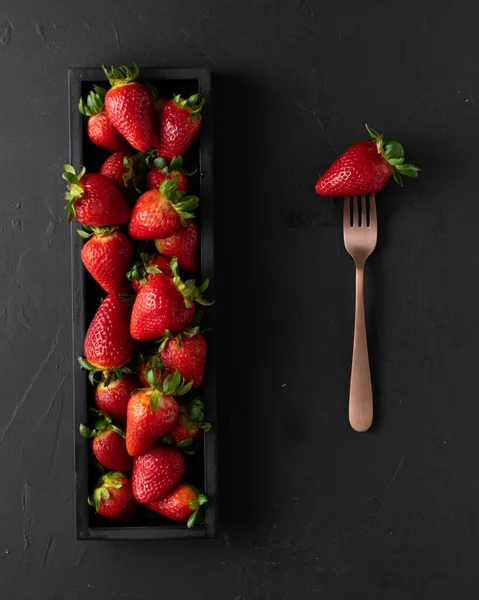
308	508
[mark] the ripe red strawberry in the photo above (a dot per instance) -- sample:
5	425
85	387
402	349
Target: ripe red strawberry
118	168
148	267
108	344
152	413
165	304
150	416
113	496
108	444
365	168
184	245
179	122
106	257
129	106
162	171
190	421
99	128
113	396
160	213
93	199
187	354
182	504
156	472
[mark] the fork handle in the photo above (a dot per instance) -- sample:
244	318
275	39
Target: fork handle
360	391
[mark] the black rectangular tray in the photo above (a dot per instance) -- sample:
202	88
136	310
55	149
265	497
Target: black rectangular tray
86	296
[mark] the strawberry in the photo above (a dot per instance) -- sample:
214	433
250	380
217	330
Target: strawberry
129	106
184	245
152	413
182	504
190	421
156	472
112	396
106	257
113	496
160	213
365	168
162	171
165	304
108	444
144	270
99	128
108	344
118	168
93	199
185	352
179	122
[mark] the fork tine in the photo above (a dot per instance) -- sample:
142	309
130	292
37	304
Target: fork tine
347	213
373	219
364	212
355	212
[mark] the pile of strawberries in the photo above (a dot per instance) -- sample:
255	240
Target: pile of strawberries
144	349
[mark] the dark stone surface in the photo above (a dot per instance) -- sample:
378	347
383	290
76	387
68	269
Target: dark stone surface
308	508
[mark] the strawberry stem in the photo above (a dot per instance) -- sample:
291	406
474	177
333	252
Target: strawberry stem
393	153
103	422
184	205
94	103
108	480
121	75
98	375
195	505
193	104
188	288
74	190
87	232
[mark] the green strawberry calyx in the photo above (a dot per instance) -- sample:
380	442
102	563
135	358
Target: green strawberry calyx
88	232
172	385
194	413
121	75
94	104
142	267
155	372
393	153
190	291
99	375
74	191
182	203
110	480
176	164
175	385
146	158
153	90
135	168
194	328
102	423
129	170
195	506
194	105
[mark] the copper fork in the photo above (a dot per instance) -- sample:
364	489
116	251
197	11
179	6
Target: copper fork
360	227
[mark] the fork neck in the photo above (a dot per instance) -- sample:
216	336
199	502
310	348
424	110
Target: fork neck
359	265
